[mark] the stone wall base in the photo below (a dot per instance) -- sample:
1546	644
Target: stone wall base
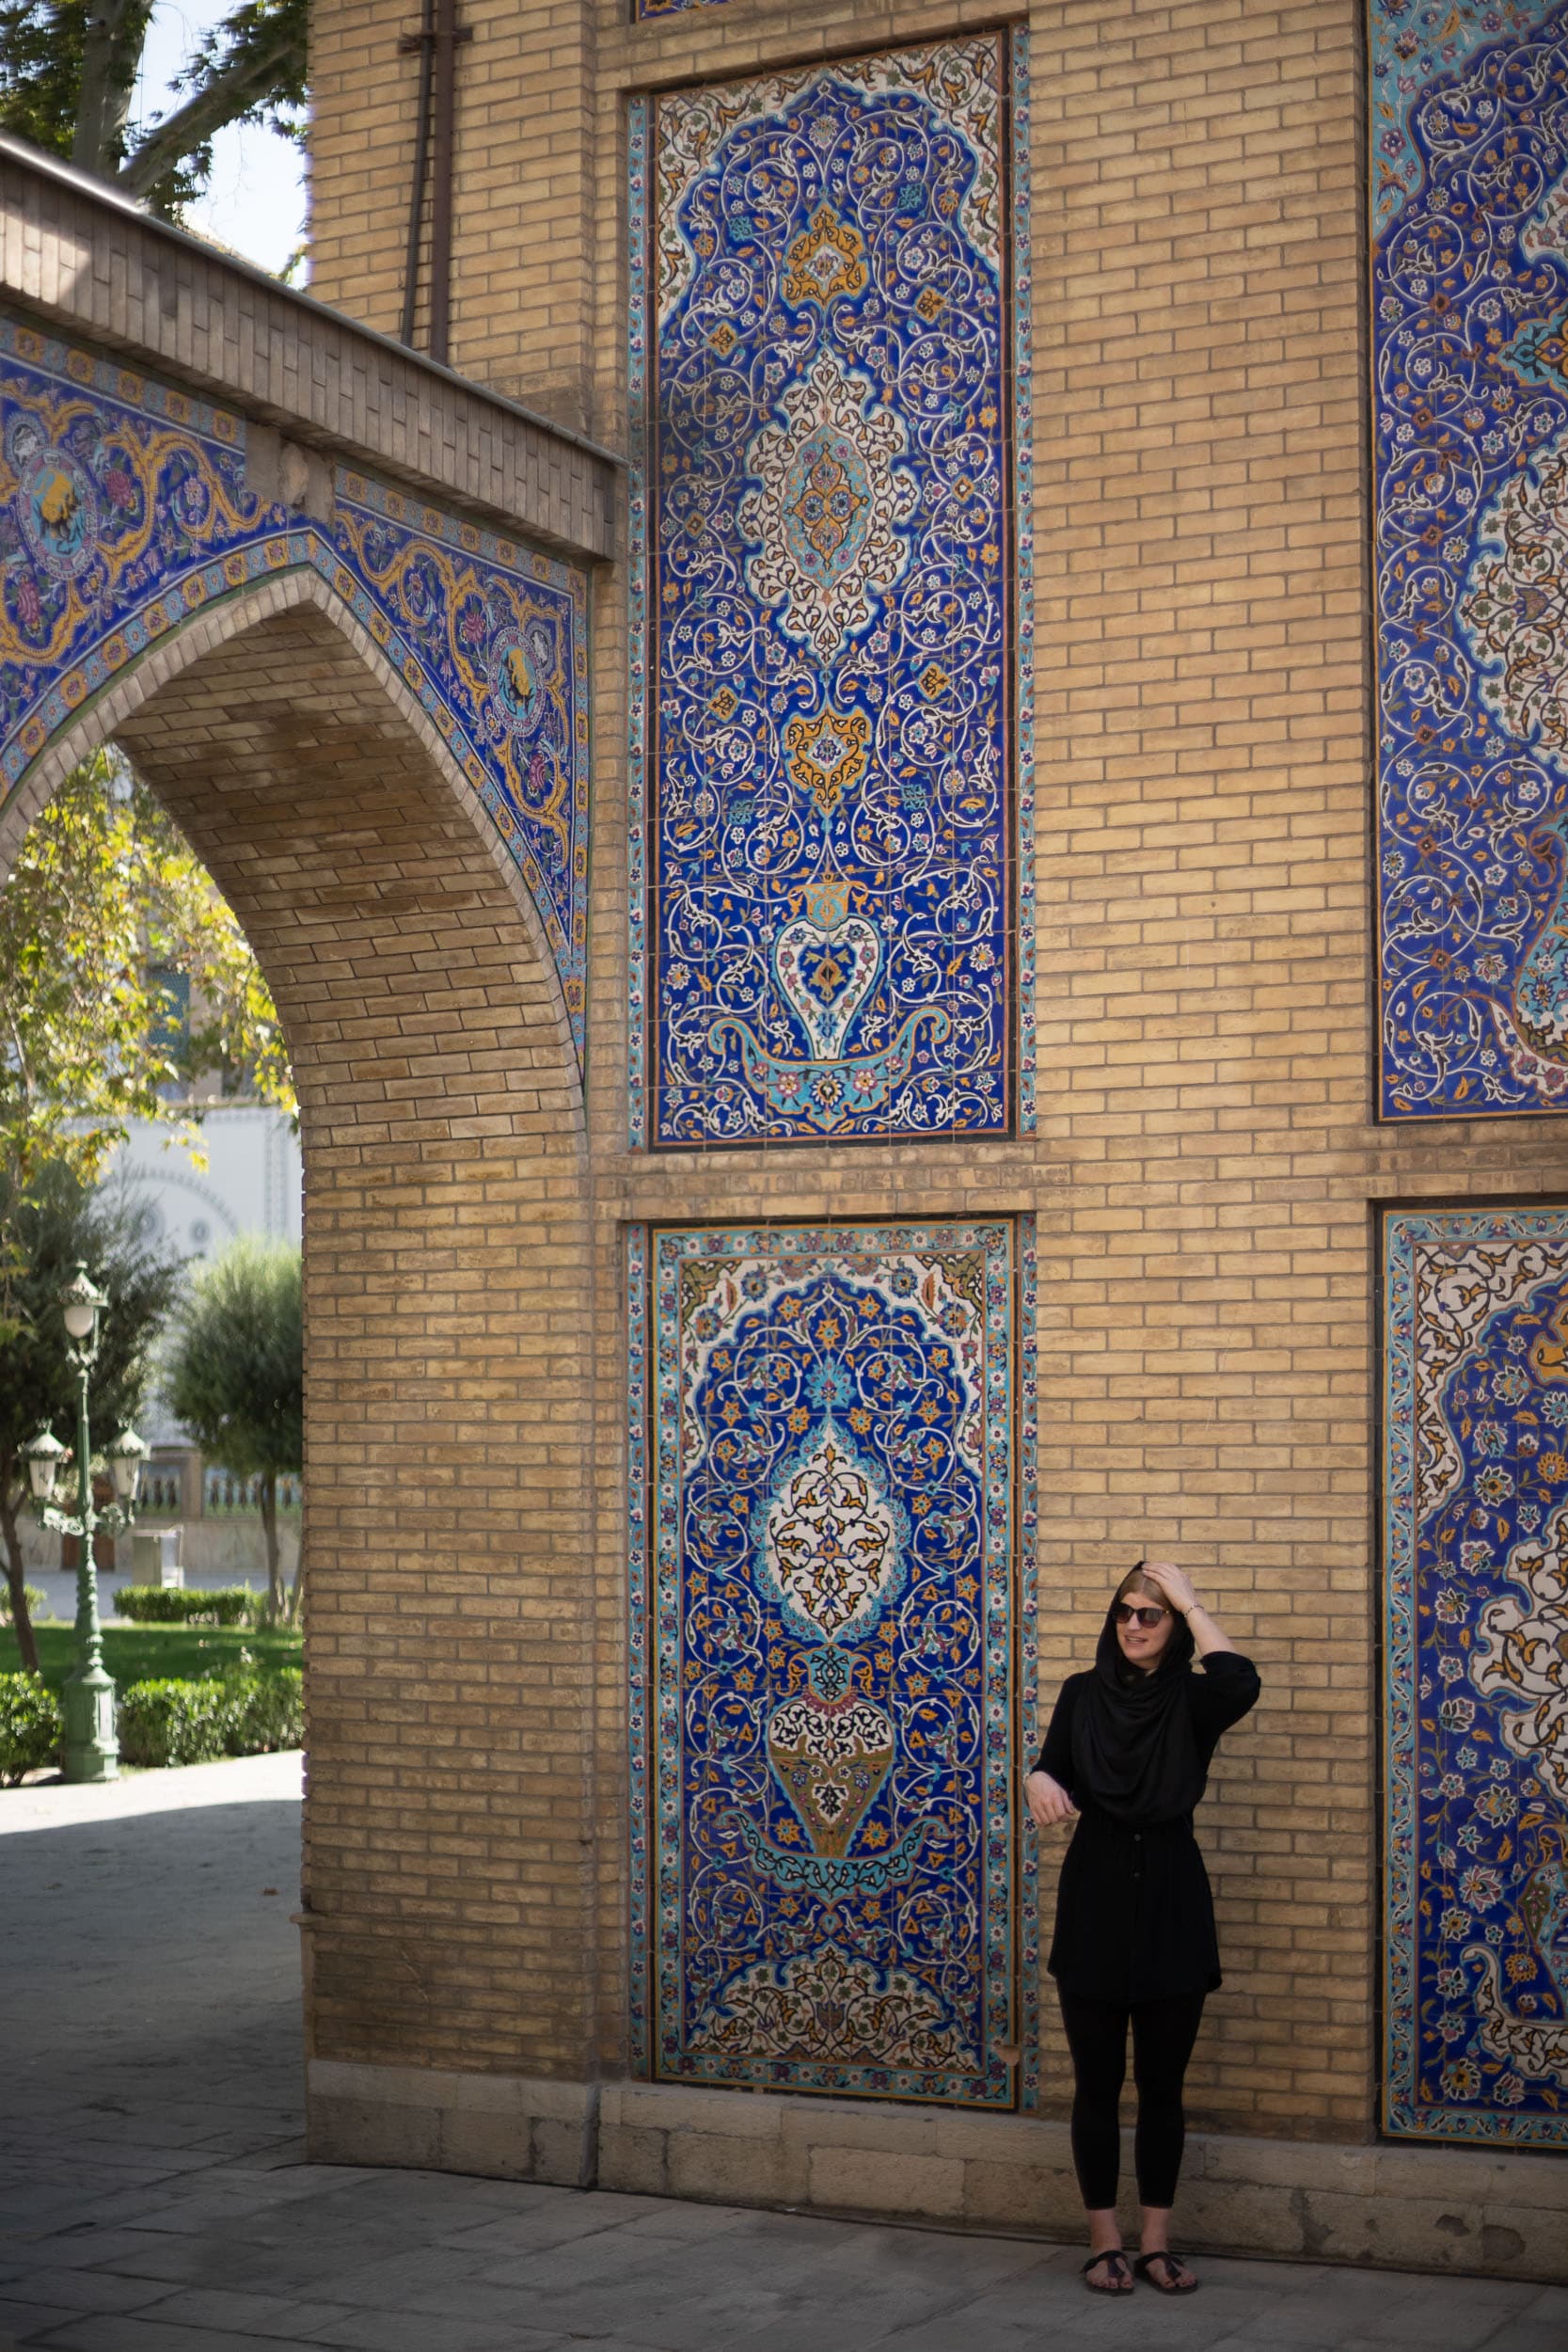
503	2127
1397	2208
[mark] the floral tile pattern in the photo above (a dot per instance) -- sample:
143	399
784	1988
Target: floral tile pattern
1470	462
830	636
123	510
833	1462
1476	1674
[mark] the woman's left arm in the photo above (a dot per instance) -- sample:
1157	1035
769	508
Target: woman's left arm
1209	1639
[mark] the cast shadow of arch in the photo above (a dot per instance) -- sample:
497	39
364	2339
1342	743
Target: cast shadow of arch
152	2016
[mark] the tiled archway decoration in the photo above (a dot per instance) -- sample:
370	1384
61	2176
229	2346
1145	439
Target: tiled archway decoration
124	510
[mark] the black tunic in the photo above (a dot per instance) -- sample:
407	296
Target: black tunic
1134	1917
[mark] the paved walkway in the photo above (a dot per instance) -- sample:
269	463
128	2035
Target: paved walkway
153	2196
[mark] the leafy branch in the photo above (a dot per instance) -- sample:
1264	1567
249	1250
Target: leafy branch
68	71
106	898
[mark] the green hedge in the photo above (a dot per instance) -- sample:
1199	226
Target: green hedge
30	1593
196	1722
31	1726
151	1604
271	1713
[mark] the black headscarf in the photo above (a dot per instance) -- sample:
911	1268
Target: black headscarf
1133	1753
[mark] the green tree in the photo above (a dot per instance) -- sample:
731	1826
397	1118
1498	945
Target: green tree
105	900
69	72
60	1222
235	1376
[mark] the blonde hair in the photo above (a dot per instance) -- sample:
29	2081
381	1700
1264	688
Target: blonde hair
1137	1581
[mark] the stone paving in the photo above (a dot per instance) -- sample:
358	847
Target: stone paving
153	2196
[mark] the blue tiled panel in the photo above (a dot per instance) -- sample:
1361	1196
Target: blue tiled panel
124	511
1469	288
830	653
833	1471
1476	1675
643	10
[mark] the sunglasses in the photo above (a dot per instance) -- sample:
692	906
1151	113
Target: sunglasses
1125	1613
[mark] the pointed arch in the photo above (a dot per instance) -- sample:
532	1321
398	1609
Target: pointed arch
447	1357
127	691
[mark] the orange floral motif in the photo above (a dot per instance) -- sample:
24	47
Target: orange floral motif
827	755
825	261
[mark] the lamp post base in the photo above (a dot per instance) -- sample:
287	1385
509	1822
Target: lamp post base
91	1749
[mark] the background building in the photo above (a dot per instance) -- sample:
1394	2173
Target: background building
250	1184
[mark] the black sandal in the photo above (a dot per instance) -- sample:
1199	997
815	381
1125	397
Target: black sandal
1171	2285
1120	2279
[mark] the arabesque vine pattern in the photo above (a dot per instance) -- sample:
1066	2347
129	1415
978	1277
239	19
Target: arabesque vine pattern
1470	426
1476	1675
823	338
828	1509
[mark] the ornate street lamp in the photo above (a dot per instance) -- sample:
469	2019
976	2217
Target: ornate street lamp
91	1749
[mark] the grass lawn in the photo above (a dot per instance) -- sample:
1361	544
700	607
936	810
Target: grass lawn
139	1653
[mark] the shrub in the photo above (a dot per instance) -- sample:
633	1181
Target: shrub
174	1723
151	1604
31	1726
31	1594
170	1721
270	1714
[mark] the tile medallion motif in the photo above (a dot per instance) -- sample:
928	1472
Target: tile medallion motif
830	630
1469	290
124	511
1476	1675
831	1655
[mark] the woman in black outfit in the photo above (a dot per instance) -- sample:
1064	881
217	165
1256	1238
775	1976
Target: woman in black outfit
1127	1755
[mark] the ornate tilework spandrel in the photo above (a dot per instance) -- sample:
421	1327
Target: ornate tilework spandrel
1469	281
834	941
123	510
825	1674
1476	1675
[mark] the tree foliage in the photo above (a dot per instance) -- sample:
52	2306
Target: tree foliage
69	72
234	1373
106	898
59	1222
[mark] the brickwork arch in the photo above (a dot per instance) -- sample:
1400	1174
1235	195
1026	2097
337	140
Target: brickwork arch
130	688
445	1258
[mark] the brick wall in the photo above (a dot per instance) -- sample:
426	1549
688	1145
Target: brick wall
1205	1159
521	265
444	1535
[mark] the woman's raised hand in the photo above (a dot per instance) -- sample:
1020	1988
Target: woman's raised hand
1174	1582
1049	1801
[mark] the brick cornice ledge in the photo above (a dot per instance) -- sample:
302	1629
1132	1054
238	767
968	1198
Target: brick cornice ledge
95	268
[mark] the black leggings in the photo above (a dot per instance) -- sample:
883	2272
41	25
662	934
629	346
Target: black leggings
1163	2037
